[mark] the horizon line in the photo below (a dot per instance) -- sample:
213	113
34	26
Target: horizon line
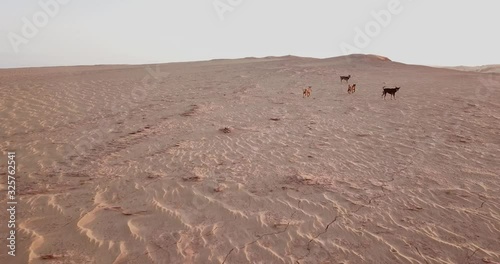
238	58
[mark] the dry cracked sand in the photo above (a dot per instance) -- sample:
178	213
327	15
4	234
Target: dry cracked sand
224	162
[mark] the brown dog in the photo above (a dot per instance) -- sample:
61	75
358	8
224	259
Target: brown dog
345	78
307	92
391	91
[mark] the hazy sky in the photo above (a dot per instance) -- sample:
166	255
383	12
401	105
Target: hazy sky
75	32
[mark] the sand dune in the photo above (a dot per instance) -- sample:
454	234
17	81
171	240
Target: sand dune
128	164
482	69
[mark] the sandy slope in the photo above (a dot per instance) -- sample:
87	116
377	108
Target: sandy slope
127	164
495	68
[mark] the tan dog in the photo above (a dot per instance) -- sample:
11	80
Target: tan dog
307	92
351	89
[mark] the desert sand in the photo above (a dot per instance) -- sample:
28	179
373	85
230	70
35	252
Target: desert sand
224	162
495	68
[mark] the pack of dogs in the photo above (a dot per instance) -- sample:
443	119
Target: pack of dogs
351	88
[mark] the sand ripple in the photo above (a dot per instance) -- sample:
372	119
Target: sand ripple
110	173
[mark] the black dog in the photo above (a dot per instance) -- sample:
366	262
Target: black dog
345	78
391	91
